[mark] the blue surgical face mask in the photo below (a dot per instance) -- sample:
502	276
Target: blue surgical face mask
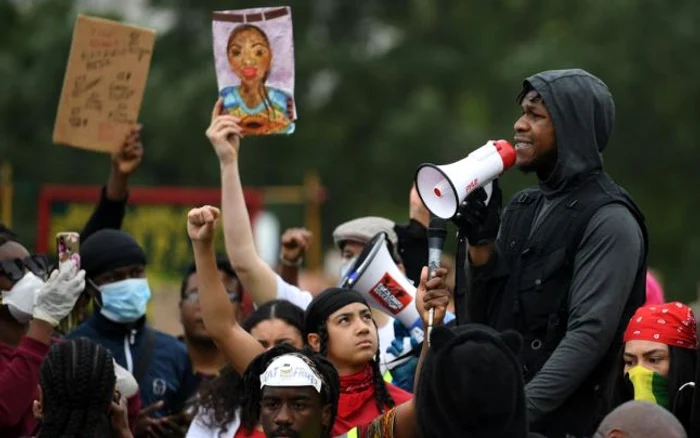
126	300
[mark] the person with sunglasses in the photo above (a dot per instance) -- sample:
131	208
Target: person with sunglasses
207	360
31	309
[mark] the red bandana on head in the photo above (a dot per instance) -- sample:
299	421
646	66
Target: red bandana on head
672	324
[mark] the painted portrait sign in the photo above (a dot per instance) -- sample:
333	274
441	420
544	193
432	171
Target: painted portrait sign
254	57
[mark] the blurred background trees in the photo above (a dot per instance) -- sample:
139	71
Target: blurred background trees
381	86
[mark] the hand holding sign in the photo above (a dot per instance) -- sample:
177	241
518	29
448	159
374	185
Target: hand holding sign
224	133
104	84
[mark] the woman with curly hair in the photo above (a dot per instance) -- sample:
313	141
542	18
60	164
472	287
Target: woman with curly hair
338	324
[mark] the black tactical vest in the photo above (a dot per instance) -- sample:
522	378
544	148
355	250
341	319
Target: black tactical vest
534	300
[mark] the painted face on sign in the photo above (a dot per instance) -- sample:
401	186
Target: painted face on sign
249	54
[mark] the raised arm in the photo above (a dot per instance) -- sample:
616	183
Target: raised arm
111	208
19	375
295	243
239	347
256	276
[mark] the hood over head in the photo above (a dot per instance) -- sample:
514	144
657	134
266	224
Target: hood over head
583	114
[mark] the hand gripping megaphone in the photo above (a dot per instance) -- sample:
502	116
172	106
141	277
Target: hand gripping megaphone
443	188
375	275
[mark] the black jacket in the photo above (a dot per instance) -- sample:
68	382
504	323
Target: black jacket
597	280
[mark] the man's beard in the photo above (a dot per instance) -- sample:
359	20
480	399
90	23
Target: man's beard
542	164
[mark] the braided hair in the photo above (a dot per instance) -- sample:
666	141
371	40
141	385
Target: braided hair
221	397
77	381
330	383
382	397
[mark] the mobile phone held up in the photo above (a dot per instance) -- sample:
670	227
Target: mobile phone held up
68	247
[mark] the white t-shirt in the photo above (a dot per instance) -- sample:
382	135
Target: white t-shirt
302	298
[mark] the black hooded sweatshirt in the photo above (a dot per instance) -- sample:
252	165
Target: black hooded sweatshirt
610	254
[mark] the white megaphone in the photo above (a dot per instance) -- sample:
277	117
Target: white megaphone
443	188
375	275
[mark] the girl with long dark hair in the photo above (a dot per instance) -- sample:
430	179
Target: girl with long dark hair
338	324
658	360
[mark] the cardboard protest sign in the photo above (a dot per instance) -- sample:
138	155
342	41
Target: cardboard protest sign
104	84
254	58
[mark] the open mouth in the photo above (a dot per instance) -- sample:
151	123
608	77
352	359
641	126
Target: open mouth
522	145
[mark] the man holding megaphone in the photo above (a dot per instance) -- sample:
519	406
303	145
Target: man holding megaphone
565	263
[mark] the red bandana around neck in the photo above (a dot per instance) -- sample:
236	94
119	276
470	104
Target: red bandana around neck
672	324
355	390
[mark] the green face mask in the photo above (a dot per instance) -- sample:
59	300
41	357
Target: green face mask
649	386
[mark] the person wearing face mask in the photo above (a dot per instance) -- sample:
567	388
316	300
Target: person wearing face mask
30	311
115	266
659	360
413	237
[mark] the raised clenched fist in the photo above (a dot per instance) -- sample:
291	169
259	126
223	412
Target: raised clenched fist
201	223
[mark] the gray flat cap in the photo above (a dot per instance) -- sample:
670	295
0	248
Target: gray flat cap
363	229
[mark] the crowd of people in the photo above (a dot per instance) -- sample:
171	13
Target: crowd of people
547	324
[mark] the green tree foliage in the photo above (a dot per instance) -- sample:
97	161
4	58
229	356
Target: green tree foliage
382	86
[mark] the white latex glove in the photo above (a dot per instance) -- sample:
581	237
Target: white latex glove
58	296
126	383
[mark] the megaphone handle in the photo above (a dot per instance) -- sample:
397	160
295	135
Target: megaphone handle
431	316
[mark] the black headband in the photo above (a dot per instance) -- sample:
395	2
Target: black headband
327	302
